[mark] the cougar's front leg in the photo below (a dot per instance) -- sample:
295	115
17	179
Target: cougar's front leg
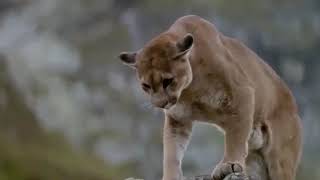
237	131
176	135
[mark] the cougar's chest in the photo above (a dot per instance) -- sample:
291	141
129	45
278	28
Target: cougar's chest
181	111
205	107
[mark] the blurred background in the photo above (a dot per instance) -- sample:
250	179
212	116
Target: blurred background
69	110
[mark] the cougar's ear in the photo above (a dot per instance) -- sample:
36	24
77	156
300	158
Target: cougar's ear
184	45
128	58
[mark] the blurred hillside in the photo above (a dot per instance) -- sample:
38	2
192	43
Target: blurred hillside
70	110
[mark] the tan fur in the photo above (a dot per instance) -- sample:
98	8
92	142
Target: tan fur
219	80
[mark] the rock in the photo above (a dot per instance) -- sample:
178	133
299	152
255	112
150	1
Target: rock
234	176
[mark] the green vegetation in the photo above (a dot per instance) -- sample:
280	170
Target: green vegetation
52	162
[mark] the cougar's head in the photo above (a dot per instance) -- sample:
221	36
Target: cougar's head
163	68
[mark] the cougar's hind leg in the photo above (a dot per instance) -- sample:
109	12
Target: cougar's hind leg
283	154
256	167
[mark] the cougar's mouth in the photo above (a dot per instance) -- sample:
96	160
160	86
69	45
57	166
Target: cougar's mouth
168	104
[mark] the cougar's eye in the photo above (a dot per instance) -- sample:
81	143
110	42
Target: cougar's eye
146	87
166	82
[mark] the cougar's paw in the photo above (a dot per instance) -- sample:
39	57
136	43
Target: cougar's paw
224	169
